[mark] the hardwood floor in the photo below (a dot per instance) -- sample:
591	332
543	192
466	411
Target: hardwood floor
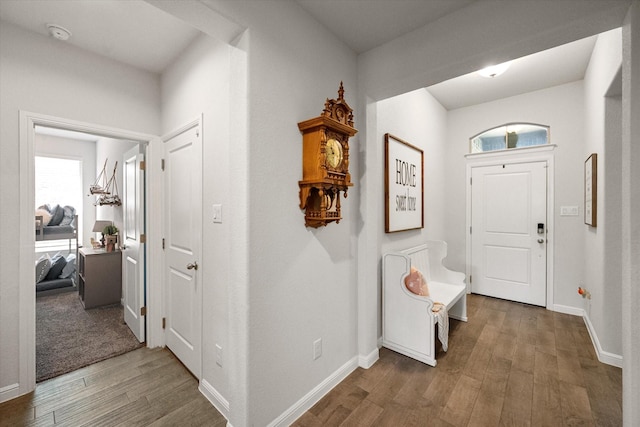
141	388
510	365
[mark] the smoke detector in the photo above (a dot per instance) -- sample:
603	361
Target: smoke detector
58	32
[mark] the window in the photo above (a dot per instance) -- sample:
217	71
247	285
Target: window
512	135
58	181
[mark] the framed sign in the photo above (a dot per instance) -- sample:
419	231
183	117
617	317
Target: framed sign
591	190
403	185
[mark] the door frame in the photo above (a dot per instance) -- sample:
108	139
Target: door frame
26	297
543	153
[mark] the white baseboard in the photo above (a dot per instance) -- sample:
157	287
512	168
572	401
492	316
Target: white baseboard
303	405
367	361
565	309
9	392
216	399
603	356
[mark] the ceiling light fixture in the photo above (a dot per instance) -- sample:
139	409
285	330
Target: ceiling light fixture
58	32
494	70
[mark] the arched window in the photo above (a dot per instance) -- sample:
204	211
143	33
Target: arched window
508	136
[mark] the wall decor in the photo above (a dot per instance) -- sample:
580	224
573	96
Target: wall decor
403	185
325	162
591	190
106	190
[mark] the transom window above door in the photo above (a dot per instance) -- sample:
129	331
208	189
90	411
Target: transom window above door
508	136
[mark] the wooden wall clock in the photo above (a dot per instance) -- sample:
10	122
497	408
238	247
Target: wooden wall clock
325	161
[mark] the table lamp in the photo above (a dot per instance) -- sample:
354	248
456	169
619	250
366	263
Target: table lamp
99	226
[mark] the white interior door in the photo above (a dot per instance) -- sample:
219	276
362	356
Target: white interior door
508	254
133	277
183	241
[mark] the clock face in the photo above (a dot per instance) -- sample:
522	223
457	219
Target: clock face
333	151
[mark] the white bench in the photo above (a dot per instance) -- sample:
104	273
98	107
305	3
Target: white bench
408	322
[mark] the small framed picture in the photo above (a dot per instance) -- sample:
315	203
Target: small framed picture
404	185
591	190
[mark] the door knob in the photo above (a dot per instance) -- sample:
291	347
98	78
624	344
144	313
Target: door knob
540	240
192	266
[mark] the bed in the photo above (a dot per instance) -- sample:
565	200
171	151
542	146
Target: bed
55	222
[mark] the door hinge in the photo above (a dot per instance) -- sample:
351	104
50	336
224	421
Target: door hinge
162	164
143	238
143	165
143	311
470	230
163	243
470	279
164	322
471	181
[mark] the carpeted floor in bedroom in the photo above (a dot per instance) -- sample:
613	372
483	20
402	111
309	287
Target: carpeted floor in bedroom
68	337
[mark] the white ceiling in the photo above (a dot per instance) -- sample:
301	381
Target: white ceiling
553	67
136	33
363	25
132	31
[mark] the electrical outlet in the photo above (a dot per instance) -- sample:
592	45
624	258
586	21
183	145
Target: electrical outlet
317	348
218	355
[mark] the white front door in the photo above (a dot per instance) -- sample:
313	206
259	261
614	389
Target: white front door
508	231
133	277
183	243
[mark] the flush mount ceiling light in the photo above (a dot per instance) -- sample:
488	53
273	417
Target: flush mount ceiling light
58	32
494	70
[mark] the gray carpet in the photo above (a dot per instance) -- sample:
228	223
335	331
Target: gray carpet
68	337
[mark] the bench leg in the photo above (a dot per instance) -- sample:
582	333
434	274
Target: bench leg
459	310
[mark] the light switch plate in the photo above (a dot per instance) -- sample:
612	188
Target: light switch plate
217	213
569	211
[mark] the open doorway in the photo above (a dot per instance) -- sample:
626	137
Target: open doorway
79	298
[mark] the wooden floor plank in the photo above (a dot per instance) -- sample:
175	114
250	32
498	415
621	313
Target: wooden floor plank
459	406
576	408
518	398
546	410
510	365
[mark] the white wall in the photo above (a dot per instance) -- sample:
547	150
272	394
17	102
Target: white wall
301	282
42	75
419	119
198	83
631	215
73	148
602	249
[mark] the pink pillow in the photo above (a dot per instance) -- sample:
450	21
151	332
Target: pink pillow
416	283
46	216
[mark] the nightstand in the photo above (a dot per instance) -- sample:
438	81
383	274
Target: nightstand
99	277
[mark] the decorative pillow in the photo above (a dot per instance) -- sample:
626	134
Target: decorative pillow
43	264
69	213
57	264
57	213
46	216
69	269
416	283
